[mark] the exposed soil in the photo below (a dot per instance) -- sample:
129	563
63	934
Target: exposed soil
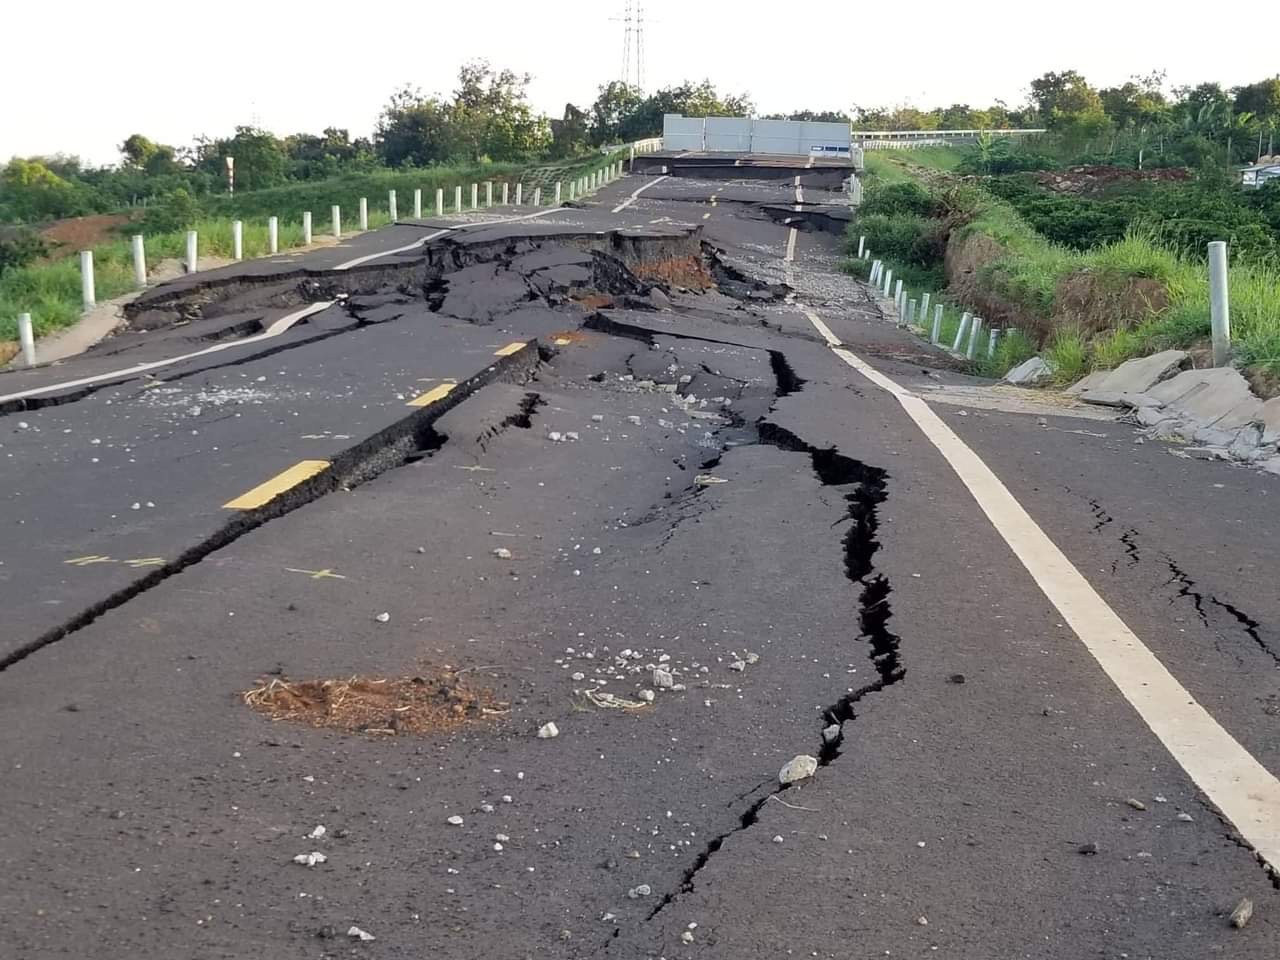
81	233
388	706
1096	304
688	272
1083	181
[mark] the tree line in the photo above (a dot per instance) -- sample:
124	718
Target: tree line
486	118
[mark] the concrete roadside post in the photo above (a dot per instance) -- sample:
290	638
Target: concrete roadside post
27	338
519	194
335	219
417	203
888	281
537	196
924	308
88	290
439	201
391	205
975	329
862	245
364	213
237	240
273	235
505	192
897	291
306	228
573	190
475	196
992	337
937	324
964	325
910	318
139	260
457	199
488	193
558	193
1219	303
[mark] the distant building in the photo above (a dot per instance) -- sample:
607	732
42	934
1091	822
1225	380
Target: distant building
1267	168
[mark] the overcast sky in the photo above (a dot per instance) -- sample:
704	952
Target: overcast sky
79	76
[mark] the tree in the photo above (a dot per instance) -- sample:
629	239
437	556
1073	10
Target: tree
260	159
1262	99
810	116
1136	103
572	134
30	191
1061	96
413	130
137	150
615	102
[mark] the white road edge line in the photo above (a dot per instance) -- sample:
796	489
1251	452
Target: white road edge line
791	236
636	195
423	241
1234	781
277	328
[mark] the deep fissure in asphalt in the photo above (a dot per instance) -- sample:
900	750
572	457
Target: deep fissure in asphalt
408	439
860	543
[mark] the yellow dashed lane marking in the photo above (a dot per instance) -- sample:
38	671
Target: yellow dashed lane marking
432	395
266	492
509	349
325	574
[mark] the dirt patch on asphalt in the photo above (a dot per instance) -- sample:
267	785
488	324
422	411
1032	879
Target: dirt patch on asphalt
592	301
688	272
384	706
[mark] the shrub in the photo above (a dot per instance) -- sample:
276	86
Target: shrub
174	211
906	197
20	247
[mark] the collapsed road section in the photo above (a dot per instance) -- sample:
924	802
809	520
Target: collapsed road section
568	598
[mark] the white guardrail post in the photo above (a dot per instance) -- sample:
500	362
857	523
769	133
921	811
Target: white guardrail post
974	330
417	203
475	195
27	338
440	201
457	199
237	240
273	235
1219	303
306	228
964	325
519	194
924	309
506	192
537	196
88	290
937	324
193	250
488	193
335	220
391	205
364	213
558	187
139	260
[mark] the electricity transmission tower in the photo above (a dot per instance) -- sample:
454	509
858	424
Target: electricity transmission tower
633	36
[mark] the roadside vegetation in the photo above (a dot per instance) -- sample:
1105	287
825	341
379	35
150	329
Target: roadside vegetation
1090	240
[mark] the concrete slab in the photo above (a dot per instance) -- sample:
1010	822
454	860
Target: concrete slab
1135	376
1269	415
1029	372
1093	381
1207	396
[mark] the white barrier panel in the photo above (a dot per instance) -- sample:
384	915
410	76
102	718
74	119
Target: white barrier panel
683	133
728	134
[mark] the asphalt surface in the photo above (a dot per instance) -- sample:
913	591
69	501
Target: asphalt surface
650	462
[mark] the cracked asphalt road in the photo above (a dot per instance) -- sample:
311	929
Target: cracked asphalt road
568	457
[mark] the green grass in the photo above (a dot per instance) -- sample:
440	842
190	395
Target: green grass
50	291
1029	272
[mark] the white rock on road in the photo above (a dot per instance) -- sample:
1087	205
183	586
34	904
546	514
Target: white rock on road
800	767
547	731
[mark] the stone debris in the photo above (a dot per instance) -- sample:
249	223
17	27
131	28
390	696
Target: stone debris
1186	818
1030	372
555	436
355	933
641	891
597	418
738	665
687	936
455	820
662	678
707	480
310	859
831	734
1242	914
1136	804
1132	376
646	695
800	767
317	833
502	553
383	617
1087	849
547	731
